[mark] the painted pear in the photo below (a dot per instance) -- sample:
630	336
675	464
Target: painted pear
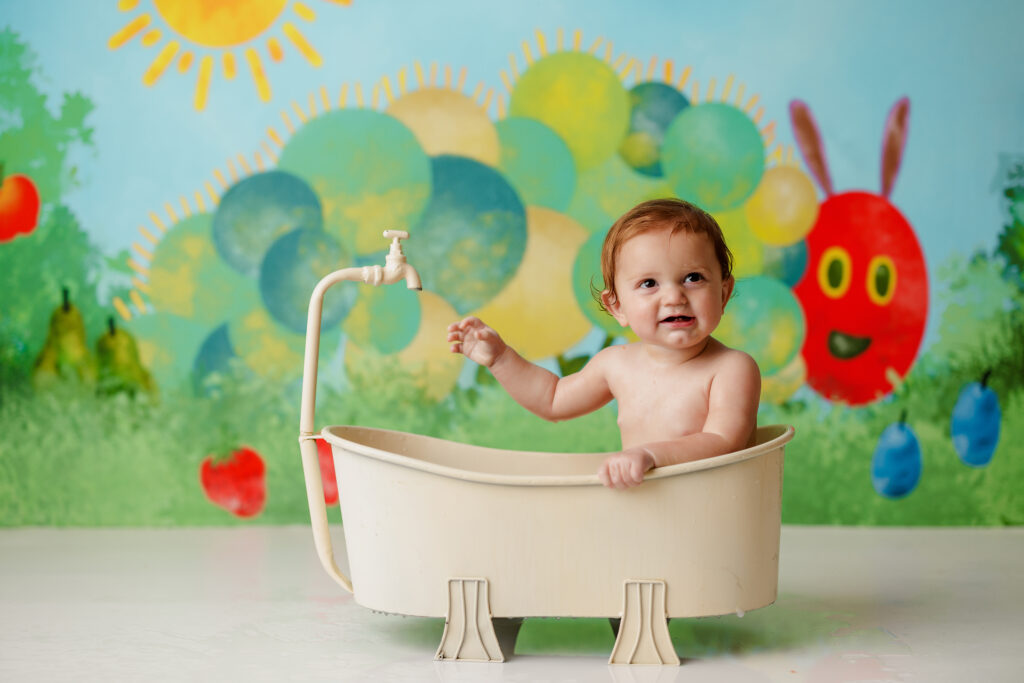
65	354
119	366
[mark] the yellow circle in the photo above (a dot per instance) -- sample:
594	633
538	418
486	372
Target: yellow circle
834	270
784	207
881	282
448	122
226	22
747	250
779	386
536	312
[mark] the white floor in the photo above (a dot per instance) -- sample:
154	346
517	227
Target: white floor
252	603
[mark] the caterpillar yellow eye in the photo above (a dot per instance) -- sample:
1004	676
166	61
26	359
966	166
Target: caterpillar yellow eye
881	280
834	272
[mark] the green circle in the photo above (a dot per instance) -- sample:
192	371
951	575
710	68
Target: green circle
537	162
367	168
587	279
605	192
713	155
187	277
764	319
472	236
385	318
581	98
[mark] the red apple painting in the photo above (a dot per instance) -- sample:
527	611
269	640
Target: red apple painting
19	206
865	290
238	484
323	449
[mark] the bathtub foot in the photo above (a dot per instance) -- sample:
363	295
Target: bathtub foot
468	632
643	634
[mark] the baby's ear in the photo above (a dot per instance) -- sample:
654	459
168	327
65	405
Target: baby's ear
727	288
611	304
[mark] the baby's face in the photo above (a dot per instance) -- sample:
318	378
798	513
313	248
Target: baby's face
669	289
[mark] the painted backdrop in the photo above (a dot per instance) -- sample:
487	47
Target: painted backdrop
178	175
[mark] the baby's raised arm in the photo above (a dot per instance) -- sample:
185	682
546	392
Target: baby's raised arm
543	393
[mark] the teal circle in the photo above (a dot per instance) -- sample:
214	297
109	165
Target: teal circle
587	280
538	163
787	263
385	318
368	169
713	156
472	236
293	266
654	107
257	210
764	319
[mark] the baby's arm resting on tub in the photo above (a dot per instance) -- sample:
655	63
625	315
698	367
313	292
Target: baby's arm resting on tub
730	425
543	393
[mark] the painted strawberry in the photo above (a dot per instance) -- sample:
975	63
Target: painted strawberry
323	449
19	205
237	483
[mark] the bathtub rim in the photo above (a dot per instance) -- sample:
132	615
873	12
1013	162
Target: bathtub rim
782	435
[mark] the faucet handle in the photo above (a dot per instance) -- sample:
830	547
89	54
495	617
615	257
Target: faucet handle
396	235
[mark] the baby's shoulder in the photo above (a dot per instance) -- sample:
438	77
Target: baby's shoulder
732	360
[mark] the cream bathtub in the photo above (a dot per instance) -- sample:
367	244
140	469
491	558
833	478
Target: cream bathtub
441	529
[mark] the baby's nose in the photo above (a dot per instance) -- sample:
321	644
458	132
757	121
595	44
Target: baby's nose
674	293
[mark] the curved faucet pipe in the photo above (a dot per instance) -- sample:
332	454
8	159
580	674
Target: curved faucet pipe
395	270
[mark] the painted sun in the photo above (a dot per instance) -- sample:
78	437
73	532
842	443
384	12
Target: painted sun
203	33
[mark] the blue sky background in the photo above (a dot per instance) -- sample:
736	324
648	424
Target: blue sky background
962	67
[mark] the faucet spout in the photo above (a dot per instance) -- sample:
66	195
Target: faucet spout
412	278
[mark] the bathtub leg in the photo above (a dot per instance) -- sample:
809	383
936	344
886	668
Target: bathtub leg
468	632
643	634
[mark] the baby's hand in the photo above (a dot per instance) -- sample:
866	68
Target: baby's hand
478	342
625	469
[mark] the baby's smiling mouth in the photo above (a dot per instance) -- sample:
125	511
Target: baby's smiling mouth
678	319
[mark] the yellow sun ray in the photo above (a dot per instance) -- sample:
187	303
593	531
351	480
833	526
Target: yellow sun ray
158	65
298	112
419	73
343	96
230	66
259	76
200	204
695	92
402	75
594	46
768	133
127	5
157	222
526	53
137	267
121	309
214	197
750	104
739	93
140	285
683	78
542	45
185	61
669	70
203	82
244	164
501	106
559	39
304	11
170	213
711	90
506	81
359	95
299	41
462	80
258	159
152	37
478	91
137	300
313	113
270	153
448	76
129	31
274	49
324	99
144	253
577	39
727	88
759	115
148	236
219	177
433	73
232	172
650	68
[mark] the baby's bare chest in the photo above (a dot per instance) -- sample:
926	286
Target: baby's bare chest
655	406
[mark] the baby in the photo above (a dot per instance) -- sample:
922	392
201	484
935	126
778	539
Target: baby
682	395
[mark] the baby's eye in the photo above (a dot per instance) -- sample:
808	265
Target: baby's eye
647	284
693	277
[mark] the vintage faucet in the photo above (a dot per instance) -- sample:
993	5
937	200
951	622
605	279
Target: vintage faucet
395	269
